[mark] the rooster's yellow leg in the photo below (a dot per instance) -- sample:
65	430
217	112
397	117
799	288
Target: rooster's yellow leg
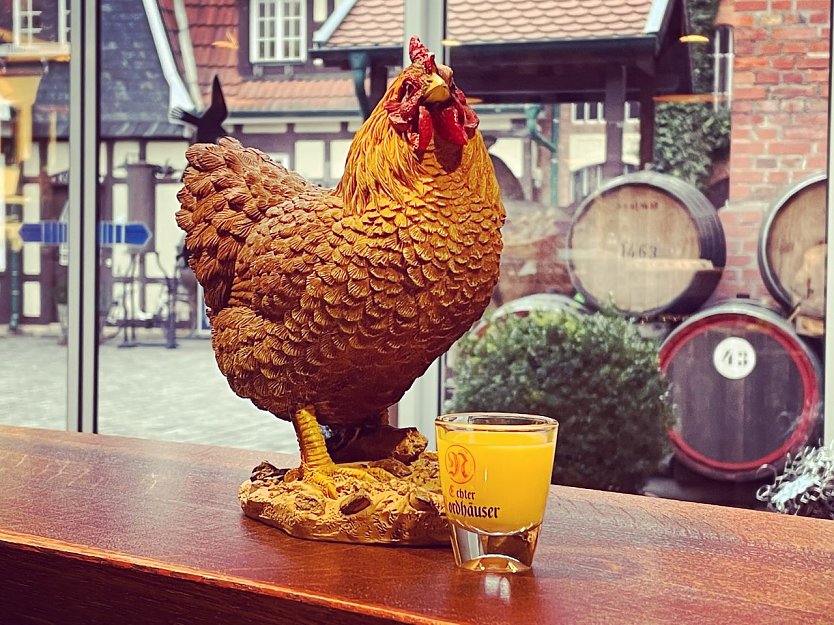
316	465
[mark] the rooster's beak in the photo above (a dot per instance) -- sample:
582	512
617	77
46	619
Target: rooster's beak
437	90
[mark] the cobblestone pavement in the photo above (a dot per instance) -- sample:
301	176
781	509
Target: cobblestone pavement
146	391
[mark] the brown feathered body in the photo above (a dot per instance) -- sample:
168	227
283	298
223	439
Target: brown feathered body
340	298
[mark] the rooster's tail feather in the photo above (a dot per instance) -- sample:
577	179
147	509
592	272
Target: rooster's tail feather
227	190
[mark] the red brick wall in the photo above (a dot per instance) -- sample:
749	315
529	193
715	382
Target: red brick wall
780	94
779	121
741	276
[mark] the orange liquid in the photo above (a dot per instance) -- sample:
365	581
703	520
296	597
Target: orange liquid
495	482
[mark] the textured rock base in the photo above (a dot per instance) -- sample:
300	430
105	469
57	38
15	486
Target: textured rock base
407	509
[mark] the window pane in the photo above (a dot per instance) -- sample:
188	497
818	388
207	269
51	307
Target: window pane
750	142
34	166
593	111
291	8
157	374
746	145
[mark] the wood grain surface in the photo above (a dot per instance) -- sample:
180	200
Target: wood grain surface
97	529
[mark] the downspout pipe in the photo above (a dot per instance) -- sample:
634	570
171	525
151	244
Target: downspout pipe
531	113
359	63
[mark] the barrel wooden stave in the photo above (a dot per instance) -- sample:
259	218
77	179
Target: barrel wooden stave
650	242
729	428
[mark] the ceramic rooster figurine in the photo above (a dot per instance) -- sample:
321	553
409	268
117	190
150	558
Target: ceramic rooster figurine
327	304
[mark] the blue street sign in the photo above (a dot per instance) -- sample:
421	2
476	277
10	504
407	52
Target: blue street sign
46	232
109	233
134	233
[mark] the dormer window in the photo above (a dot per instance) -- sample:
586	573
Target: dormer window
27	23
278	31
38	23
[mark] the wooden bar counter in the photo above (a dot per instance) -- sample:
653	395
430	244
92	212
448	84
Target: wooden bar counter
98	529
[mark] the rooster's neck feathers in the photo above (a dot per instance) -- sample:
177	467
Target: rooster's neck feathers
383	169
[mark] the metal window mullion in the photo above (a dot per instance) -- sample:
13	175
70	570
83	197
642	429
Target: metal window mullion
424	401
254	34
82	345
828	376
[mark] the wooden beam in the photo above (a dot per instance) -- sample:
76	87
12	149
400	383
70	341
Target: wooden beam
615	98
508	85
101	530
646	125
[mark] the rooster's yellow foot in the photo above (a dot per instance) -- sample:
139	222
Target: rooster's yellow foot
323	477
317	468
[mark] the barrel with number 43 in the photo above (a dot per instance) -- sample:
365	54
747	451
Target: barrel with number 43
746	388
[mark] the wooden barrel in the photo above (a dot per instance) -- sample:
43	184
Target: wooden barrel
540	301
746	390
523	306
533	259
792	248
648	243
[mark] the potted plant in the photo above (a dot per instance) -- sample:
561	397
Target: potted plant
593	373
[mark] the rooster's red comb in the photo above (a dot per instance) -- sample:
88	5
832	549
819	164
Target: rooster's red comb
417	51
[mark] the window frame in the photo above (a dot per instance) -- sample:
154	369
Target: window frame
64	12
25	33
585	118
279	36
21	14
630	115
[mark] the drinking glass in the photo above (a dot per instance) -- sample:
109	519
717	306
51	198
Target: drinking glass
495	471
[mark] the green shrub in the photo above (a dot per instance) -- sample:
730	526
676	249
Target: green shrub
690	135
593	373
687	136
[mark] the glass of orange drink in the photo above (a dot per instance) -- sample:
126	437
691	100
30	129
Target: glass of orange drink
495	471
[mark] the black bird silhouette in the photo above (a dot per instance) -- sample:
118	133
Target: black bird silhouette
210	124
209	127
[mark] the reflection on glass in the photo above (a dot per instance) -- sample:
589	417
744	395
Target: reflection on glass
157	376
34	92
740	120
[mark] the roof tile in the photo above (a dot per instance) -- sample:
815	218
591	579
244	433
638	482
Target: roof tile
379	22
370	23
536	20
215	37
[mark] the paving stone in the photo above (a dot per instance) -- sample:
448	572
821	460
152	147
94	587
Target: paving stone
145	391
